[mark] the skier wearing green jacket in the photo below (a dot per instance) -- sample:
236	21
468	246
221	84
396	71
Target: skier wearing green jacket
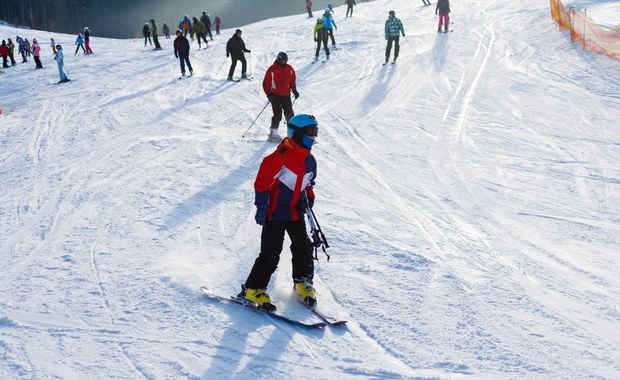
393	27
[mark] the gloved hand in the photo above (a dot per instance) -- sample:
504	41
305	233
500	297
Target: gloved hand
310	202
386	37
315	40
270	97
261	215
176	55
249	51
295	94
227	54
403	34
435	13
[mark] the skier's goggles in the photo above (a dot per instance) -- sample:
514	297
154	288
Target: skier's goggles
311	131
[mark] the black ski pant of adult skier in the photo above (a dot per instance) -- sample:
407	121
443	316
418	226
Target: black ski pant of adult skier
37	61
318	46
4	62
233	65
388	48
202	35
330	33
349	8
272	240
209	33
156	42
185	59
281	104
148	38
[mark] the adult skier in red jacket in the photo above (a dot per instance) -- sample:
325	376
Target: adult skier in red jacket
279	82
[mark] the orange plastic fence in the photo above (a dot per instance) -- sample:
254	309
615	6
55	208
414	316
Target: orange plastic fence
583	29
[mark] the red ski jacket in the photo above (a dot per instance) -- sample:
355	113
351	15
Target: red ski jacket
279	80
282	177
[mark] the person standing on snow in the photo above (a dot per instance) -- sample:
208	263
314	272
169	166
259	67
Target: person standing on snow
154	33
146	31
329	24
22	48
235	47
79	41
283	188
200	30
36	52
207	21
181	51
61	60
11	46
4	53
218	23
443	8
279	82
350	4
87	41
309	8
393	27
320	36
166	30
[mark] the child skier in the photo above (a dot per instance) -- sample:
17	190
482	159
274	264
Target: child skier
60	60
36	51
283	188
79	41
320	36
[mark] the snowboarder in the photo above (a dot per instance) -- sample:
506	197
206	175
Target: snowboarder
60	60
146	31
218	23
279	82
320	36
393	27
166	30
79	41
4	53
329	24
207	21
154	34
443	8
309	8
181	51
235	47
350	4
283	187
87	41
36	52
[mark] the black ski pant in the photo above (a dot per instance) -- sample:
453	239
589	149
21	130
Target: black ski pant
281	104
233	65
272	240
185	60
148	38
12	57
37	61
388	48
330	32
156	42
4	62
349	8
202	35
318	47
78	48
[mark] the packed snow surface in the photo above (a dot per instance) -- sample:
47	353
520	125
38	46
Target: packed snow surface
470	194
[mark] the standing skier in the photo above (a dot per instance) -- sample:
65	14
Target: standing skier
207	21
309	8
146	31
36	52
283	188
87	41
154	33
79	41
443	8
181	51
278	84
393	27
329	25
235	47
166	29
320	36
218	23
61	60
11	46
350	4
4	53
200	30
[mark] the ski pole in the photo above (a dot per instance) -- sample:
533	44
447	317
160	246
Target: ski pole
318	237
222	65
261	111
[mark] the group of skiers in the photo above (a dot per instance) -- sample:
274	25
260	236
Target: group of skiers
27	49
201	28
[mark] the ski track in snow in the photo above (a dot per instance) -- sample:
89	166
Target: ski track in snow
469	193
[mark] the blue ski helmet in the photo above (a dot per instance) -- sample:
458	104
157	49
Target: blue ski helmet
304	129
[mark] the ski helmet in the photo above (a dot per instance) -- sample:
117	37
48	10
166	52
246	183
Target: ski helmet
282	56
319	20
304	129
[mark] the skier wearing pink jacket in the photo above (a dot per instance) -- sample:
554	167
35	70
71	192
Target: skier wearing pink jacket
36	52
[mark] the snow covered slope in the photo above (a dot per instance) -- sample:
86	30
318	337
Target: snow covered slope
470	194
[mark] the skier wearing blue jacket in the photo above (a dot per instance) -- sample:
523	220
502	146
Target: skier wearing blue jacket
329	24
60	59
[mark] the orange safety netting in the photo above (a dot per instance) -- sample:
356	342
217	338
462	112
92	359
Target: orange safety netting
583	29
